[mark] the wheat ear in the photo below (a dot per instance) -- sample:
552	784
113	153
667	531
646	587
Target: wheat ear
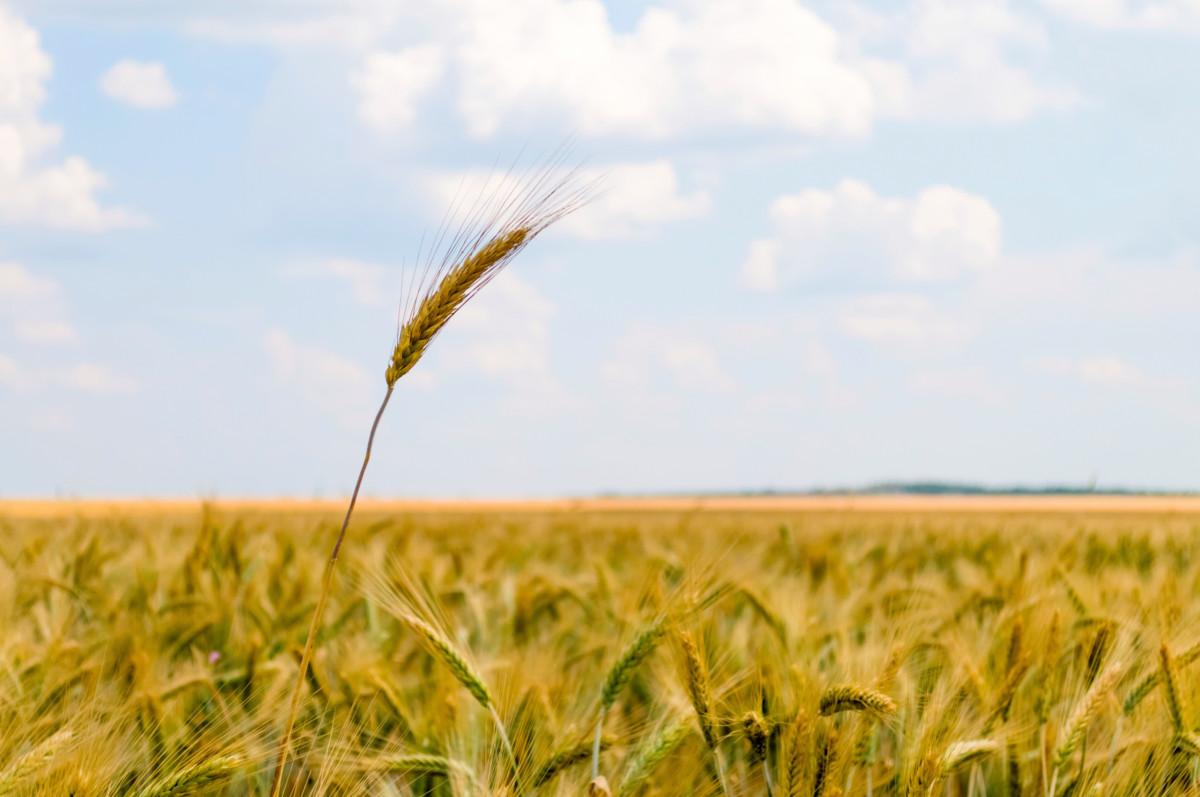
620	674
193	777
856	698
758	734
1188	743
22	768
826	755
1147	684
650	756
1084	714
424	764
698	687
959	754
444	649
799	747
472	259
566	758
700	691
464	673
1008	691
1073	595
1170	681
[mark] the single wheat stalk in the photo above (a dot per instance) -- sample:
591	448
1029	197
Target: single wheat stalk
1008	691
959	754
422	764
444	649
826	755
849	697
473	258
567	758
194	776
765	612
700	692
1014	645
799	747
1170	681
1073	595
466	674
1098	651
650	756
619	676
1014	769
699	689
459	774
758	733
923	777
29	763
1147	684
1084	714
1188	743
633	656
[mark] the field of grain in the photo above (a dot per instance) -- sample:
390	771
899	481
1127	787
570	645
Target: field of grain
723	648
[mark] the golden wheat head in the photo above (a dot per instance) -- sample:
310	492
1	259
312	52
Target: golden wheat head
850	697
699	689
476	255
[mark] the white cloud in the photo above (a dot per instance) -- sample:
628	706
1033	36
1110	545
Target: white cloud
774	64
87	377
34	309
958	61
760	270
969	383
702	64
141	84
505	331
904	321
970	74
1107	371
340	24
632	197
95	378
32	191
44	331
369	283
680	66
942	233
329	381
33	306
390	85
17	284
1156	15
1098	288
646	352
12	375
504	335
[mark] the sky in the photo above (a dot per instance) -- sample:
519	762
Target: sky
835	243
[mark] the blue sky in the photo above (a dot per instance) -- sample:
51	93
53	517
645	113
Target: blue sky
838	243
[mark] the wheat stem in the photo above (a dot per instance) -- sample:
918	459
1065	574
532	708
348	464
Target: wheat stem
322	600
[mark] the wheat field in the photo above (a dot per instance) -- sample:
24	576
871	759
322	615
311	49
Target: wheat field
706	650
